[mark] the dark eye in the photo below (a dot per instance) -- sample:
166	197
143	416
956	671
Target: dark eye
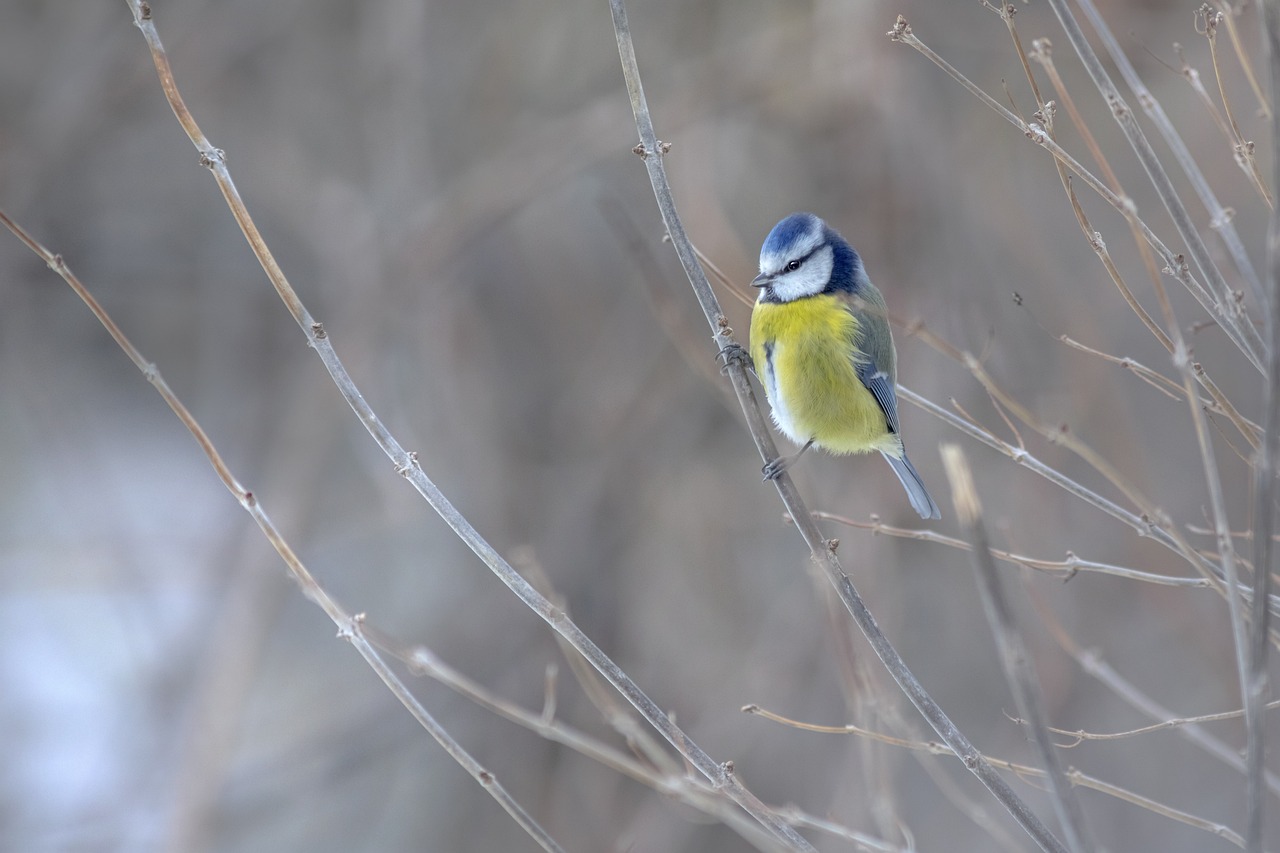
792	266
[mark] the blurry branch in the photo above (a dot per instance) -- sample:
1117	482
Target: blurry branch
1042	52
869	699
992	824
406	463
652	151
1060	435
1164	188
1066	568
1219	404
1235	534
1220	219
1192	76
795	816
1075	777
1018	668
1173	341
1228	571
1258	685
1228	17
1148	524
1043	135
664	776
350	627
667	778
1080	735
1213	479
673	318
1142	525
1152	522
1091	663
1241	149
1233	321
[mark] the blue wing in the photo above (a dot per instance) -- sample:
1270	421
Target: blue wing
881	387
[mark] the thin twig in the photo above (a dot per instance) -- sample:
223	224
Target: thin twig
1164	188
1066	568
691	790
1242	150
667	778
652	151
1258	686
1042	52
349	627
1213	479
1234	322
1081	735
1013	651
1075	777
1228	17
1142	525
1220	219
406	463
1192	76
1173	342
1092	664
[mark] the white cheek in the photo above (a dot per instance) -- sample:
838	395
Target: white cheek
809	280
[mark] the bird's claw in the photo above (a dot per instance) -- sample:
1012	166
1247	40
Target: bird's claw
734	353
773	470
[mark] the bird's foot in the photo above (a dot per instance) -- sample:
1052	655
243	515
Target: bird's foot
775	469
734	353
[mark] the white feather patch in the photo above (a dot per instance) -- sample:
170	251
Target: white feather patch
778	403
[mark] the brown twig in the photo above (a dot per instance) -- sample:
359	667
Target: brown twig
350	627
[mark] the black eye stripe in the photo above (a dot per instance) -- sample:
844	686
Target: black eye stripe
799	262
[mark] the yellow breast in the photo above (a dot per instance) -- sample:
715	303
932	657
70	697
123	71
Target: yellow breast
804	352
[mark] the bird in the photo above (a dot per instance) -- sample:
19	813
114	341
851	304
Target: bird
822	348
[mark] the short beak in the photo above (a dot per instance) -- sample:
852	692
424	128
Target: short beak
762	280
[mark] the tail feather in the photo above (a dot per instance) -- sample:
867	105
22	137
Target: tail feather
911	481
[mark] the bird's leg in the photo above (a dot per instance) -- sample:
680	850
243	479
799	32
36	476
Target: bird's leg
774	469
735	353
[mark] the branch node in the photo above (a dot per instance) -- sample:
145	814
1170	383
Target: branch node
349	629
213	157
410	462
643	153
901	29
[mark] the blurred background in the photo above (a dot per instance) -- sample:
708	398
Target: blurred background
450	188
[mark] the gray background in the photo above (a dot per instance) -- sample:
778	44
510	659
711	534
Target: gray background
451	190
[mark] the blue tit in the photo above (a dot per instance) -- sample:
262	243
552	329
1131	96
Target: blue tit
822	348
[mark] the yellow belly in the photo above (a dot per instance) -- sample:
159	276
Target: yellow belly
804	355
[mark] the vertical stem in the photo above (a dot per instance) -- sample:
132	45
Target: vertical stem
1264	512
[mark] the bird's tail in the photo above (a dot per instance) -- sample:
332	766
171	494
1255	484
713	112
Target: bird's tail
911	481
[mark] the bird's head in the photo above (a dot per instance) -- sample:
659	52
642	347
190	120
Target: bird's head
803	257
